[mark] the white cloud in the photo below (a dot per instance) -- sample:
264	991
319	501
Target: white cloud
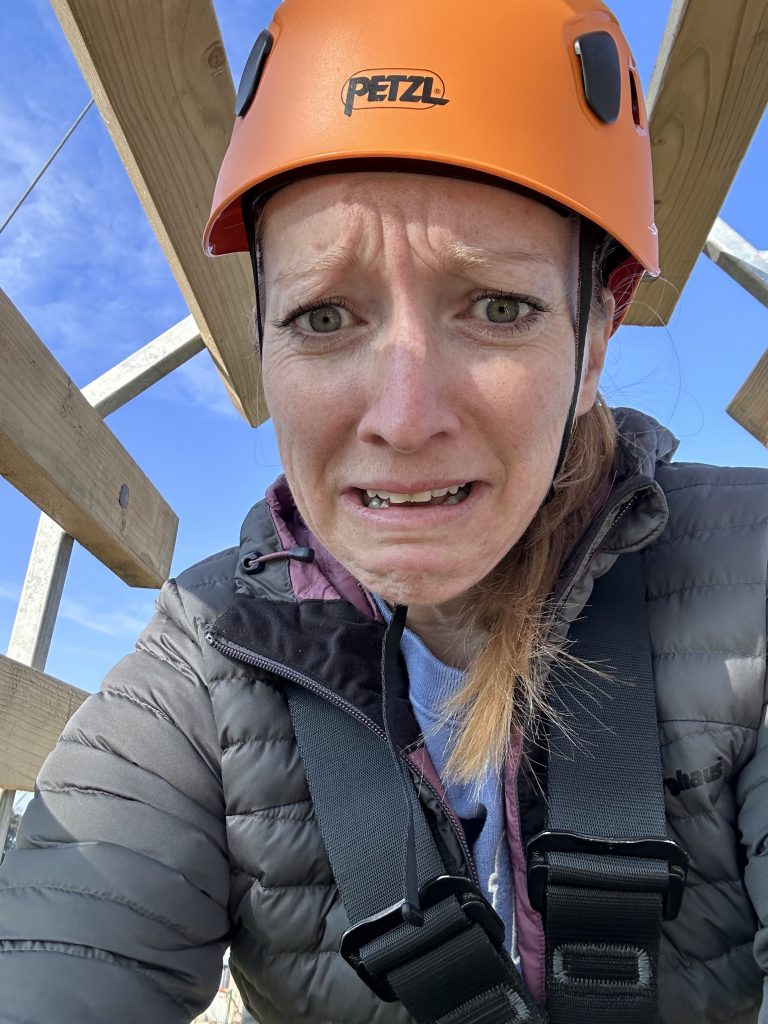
117	623
79	258
198	382
10	592
21	153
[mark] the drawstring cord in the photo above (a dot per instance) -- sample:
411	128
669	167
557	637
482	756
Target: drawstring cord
411	909
254	561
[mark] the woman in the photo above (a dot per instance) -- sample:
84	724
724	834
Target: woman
448	213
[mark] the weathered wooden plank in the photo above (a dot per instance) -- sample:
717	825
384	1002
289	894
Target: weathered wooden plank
750	406
56	449
160	77
706	98
34	708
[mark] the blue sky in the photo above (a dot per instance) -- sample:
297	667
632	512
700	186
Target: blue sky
82	264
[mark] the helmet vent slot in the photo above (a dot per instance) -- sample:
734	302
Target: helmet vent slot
634	92
601	72
252	72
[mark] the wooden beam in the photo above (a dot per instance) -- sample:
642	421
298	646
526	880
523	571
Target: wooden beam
34	708
706	99
143	368
750	406
159	74
747	265
56	449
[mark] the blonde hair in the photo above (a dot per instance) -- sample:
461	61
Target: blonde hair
505	688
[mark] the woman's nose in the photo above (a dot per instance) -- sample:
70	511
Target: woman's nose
411	398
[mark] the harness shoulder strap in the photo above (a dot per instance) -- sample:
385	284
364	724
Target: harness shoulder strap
600	873
604	871
438	950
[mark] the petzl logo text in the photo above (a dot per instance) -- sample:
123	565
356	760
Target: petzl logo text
388	88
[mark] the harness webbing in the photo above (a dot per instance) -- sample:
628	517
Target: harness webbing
604	909
449	969
601	870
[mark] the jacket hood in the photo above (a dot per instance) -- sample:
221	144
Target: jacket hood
640	511
643	442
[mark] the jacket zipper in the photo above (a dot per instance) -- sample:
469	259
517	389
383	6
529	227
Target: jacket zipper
625	505
452	820
242	654
625	508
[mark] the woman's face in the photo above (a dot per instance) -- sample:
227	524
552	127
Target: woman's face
419	338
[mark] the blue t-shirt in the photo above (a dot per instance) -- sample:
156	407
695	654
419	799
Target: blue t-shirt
480	806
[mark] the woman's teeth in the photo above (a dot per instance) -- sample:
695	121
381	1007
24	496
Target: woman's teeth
440	496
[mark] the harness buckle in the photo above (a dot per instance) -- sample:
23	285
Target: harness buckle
574	842
475	907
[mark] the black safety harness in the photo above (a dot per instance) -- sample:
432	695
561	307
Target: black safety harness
604	874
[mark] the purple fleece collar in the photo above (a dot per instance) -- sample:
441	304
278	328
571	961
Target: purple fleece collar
324	579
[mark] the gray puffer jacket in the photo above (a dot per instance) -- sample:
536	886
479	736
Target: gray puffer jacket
173	818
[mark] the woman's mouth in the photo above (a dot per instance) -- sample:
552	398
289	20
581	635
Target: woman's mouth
453	495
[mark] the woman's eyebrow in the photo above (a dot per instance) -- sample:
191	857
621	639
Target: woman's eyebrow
456	256
342	258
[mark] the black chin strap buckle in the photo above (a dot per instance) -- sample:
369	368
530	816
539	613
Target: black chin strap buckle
473	908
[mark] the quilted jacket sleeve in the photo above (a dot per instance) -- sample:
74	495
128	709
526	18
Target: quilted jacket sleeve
113	907
752	794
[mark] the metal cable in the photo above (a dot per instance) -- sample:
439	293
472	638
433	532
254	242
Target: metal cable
47	164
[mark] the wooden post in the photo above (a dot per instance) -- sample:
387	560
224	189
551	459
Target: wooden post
747	265
7	797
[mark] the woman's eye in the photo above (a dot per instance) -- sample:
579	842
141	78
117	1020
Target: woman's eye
324	320
500	310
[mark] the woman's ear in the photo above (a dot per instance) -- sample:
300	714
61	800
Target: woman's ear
598	336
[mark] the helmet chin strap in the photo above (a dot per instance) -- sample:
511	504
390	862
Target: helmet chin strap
589	239
257	264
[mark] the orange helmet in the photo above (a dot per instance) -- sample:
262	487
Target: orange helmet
544	94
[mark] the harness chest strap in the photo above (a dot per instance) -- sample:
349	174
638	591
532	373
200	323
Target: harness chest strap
604	873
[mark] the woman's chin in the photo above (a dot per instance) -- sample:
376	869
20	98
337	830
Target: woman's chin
416	584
